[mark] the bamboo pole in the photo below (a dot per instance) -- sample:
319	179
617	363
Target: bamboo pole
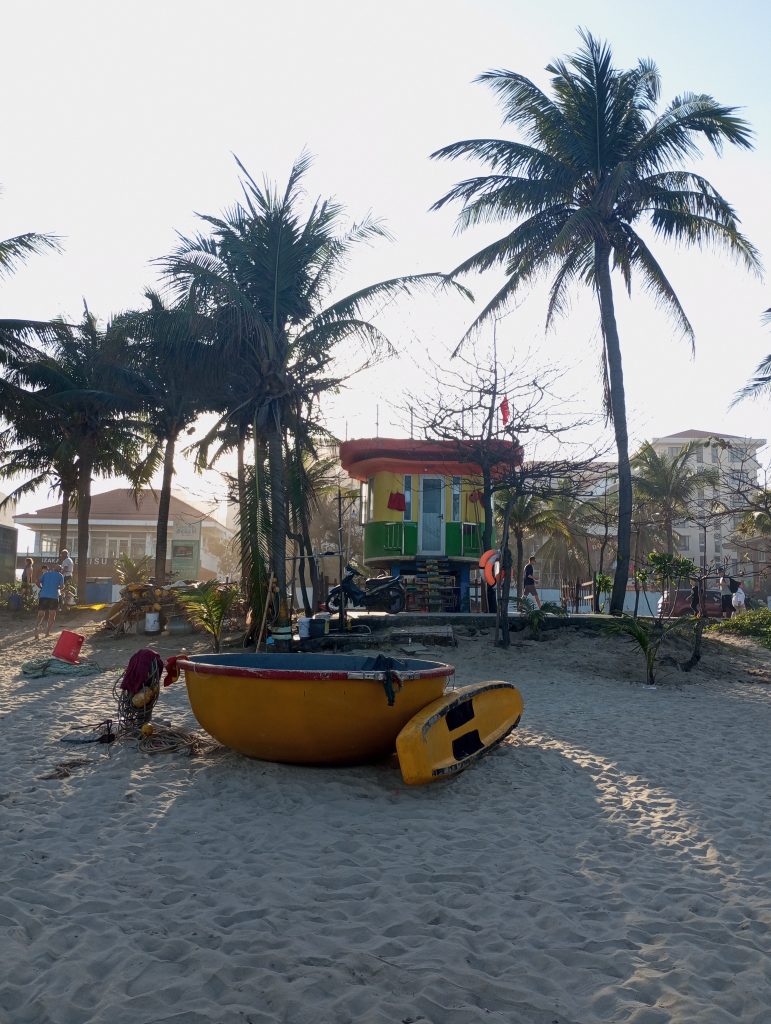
265	610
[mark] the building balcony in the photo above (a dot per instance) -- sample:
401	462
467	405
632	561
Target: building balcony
388	541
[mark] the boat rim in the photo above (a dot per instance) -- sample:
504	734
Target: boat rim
211	669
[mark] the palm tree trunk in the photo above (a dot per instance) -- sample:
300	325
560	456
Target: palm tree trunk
278	511
164	504
84	512
520	560
670	537
487	593
64	522
617	410
246	562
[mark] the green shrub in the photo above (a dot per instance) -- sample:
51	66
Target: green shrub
535	616
756	625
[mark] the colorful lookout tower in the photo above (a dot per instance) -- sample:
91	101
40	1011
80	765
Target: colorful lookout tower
422	514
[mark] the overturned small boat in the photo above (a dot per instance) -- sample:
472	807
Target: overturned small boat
455	730
310	708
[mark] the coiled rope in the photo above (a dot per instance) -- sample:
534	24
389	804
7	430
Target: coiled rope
163	740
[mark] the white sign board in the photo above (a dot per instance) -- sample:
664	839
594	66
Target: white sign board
186	530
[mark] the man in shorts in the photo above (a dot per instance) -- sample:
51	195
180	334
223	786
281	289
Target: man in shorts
529	581
51	583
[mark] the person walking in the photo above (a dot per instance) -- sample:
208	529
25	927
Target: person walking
695	599
726	593
739	599
68	568
529	589
51	582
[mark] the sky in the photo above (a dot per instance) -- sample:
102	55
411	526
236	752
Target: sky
120	121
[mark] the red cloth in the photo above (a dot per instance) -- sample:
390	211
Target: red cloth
139	669
475	496
397	501
172	671
505	410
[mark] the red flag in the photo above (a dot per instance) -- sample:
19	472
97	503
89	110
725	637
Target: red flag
505	410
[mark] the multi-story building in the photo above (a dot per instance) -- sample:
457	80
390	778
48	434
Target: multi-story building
707	536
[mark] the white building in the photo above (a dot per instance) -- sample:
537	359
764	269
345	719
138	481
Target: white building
707	537
121	523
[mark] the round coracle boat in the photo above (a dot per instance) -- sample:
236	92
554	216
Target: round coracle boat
310	708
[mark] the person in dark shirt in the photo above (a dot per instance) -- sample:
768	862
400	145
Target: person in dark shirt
529	582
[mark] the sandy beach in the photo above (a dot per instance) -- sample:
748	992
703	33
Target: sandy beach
610	862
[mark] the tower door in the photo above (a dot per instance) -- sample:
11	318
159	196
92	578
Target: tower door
431	522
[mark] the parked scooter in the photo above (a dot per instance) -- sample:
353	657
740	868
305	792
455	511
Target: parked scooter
385	593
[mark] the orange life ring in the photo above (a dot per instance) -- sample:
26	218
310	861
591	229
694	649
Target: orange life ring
490	564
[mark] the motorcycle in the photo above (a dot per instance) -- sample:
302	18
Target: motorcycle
385	593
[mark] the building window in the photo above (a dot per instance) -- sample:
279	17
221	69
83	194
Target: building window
684	543
407	498
715	457
673	450
700	454
455	499
702	543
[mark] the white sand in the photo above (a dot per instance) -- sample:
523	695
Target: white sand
610	863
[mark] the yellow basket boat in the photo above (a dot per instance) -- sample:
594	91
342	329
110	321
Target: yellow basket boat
310	708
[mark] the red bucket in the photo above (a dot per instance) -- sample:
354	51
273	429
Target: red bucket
68	646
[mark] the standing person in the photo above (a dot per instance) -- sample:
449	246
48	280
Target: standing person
695	598
529	581
68	568
725	597
739	599
27	577
51	582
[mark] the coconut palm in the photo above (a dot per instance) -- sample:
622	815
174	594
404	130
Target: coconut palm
760	383
265	273
15	335
596	162
670	483
86	388
40	457
179	370
528	516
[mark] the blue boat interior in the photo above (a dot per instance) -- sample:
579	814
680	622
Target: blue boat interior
317	662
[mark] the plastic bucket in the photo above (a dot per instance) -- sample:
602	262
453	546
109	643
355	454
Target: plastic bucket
303	627
152	622
68	646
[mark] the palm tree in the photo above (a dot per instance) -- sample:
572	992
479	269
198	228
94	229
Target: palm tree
528	516
86	388
670	483
15	335
596	161
40	456
178	376
760	384
265	274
